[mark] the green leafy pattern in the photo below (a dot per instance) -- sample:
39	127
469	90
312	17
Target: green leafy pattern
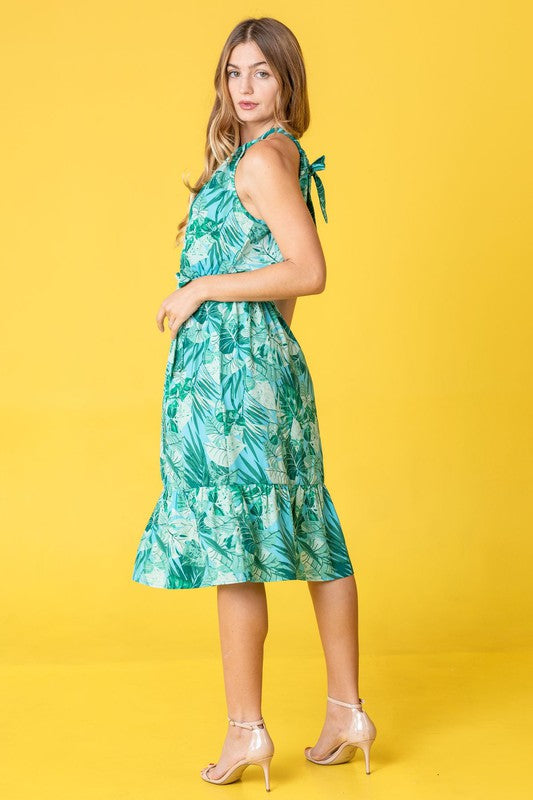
241	462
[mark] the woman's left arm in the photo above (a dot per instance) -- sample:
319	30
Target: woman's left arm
275	192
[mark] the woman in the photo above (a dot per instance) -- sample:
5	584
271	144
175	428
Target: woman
244	500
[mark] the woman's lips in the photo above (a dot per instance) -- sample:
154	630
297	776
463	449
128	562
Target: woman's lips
246	106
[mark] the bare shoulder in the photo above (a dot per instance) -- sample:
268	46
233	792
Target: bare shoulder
277	153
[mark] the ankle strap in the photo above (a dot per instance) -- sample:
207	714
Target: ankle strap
250	725
348	705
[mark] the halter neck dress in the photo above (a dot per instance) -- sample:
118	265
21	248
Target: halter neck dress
243	495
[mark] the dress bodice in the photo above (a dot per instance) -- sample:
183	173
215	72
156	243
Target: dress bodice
221	235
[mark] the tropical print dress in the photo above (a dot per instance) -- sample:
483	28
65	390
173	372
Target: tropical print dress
243	495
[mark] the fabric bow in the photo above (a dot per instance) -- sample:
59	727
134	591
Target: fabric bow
317	165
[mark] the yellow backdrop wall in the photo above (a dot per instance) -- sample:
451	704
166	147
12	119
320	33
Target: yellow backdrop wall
419	348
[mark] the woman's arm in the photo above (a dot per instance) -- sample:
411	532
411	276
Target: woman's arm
286	308
269	180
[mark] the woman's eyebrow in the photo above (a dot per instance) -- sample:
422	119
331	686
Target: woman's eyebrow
257	63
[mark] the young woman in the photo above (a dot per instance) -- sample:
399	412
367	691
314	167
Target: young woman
244	500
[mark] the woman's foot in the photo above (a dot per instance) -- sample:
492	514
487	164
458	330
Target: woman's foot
234	748
337	722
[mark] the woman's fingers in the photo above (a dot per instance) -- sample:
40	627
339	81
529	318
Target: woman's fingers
160	317
173	326
177	311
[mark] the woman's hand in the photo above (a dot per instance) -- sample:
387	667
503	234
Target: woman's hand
179	306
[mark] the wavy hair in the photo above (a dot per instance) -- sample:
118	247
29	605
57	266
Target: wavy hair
284	56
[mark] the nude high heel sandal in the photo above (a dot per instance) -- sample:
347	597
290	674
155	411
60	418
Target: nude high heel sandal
360	732
260	751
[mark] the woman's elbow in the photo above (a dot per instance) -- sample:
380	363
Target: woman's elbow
319	283
319	271
315	276
313	284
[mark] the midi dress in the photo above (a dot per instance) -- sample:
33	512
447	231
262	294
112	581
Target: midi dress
243	495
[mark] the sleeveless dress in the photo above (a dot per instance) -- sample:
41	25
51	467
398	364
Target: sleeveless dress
241	464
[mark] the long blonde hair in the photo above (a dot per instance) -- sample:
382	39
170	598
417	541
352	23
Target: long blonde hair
284	56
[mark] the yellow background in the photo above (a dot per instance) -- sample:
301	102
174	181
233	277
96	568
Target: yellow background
420	352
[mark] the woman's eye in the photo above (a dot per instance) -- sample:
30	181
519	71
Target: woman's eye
259	72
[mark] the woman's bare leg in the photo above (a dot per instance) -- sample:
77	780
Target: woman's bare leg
243	626
336	611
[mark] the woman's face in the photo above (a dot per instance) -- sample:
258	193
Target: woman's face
252	86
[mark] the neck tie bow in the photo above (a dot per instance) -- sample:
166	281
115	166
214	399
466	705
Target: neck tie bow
313	168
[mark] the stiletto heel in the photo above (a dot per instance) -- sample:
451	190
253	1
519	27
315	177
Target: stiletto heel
260	751
365	747
361	732
265	763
